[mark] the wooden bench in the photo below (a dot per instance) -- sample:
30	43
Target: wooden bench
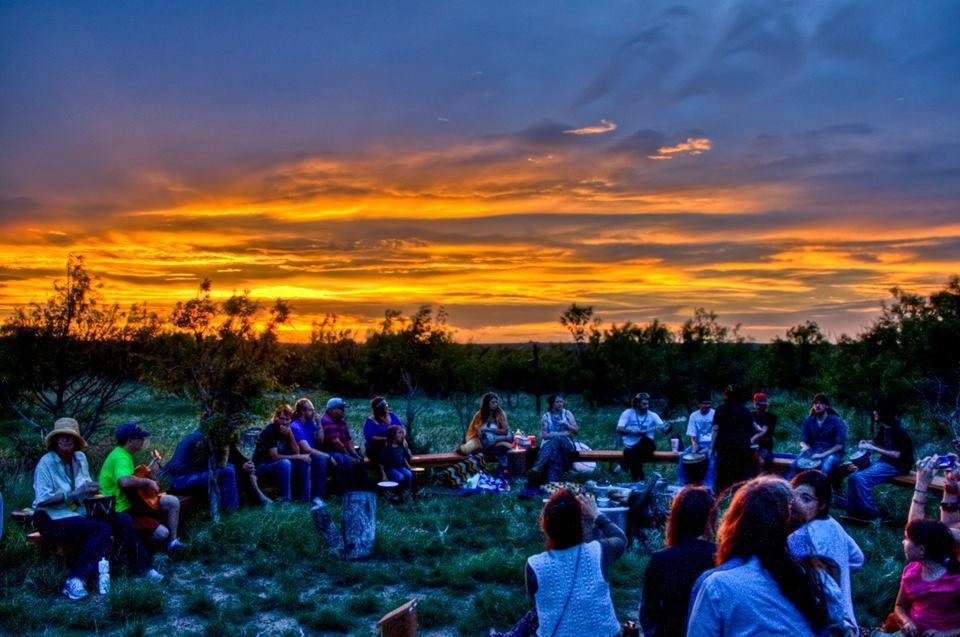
659	457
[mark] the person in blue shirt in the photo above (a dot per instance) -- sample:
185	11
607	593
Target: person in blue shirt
822	437
309	436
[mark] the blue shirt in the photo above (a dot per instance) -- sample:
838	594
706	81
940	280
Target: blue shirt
820	437
189	457
373	427
306	431
741	599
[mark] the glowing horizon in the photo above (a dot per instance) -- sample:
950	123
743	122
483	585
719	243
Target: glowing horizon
769	164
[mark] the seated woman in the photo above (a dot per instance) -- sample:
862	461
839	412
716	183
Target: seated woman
60	483
757	589
569	581
557	428
278	458
821	535
488	429
672	571
376	425
929	599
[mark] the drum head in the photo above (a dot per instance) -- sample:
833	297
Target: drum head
693	458
388	484
858	455
806	462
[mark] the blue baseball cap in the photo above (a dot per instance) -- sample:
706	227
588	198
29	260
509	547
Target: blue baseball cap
333	403
130	430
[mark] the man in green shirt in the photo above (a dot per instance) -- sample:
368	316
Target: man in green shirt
116	477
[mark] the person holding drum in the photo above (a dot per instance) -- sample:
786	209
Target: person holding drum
557	428
637	426
894	447
700	431
61	483
822	439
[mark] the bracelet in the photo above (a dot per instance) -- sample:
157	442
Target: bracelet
950	507
916	501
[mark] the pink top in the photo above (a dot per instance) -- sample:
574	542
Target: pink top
933	605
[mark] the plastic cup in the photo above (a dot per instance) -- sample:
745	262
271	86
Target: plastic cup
675	444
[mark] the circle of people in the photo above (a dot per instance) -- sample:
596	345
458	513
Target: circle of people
781	565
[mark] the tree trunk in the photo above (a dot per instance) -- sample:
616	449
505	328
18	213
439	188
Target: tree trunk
359	524
326	528
213	489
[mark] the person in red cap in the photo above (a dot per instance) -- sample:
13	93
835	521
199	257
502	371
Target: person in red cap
764	424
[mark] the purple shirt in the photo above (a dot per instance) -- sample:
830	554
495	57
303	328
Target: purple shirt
372	427
335	430
305	431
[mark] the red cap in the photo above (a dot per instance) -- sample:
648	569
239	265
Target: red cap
760	398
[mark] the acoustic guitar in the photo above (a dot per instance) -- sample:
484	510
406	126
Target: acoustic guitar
148	495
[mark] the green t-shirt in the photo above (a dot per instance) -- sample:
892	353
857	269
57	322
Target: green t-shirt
119	464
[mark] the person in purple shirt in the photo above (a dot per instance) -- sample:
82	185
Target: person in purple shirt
338	442
309	436
375	427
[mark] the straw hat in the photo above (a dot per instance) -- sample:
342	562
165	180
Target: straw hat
67	426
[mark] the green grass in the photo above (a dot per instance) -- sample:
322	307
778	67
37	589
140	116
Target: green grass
266	570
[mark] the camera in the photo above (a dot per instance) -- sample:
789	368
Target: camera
948	462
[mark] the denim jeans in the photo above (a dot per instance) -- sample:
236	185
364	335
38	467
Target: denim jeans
288	475
402	476
860	488
196	484
553	460
93	536
344	478
711	475
318	476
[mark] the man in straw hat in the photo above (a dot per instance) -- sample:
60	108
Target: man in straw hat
61	481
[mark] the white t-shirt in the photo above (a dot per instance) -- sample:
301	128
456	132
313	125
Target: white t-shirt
638	425
701	426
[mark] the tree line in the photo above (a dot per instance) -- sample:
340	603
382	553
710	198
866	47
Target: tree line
78	355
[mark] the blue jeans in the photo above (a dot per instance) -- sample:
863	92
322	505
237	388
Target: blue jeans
860	488
318	476
402	476
708	479
554	459
288	475
93	536
196	484
343	473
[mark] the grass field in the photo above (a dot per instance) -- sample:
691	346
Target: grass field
265	571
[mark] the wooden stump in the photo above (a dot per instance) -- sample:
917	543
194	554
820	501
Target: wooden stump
359	524
326	527
400	622
517	462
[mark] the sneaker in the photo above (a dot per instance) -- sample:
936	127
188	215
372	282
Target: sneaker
153	575
74	589
175	545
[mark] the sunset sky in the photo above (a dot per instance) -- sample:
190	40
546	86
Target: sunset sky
774	161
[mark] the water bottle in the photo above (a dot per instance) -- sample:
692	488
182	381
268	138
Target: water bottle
103	566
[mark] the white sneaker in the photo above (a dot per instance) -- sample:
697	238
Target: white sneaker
74	589
153	575
175	545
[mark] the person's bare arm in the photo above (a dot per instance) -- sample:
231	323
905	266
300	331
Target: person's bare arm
950	518
829	452
902	610
133	482
574	428
925	470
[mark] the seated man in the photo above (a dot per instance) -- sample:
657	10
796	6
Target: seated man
339	444
278	458
61	481
309	436
117	479
700	431
189	472
895	448
823	435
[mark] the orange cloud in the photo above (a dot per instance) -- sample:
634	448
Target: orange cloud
692	147
597	129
